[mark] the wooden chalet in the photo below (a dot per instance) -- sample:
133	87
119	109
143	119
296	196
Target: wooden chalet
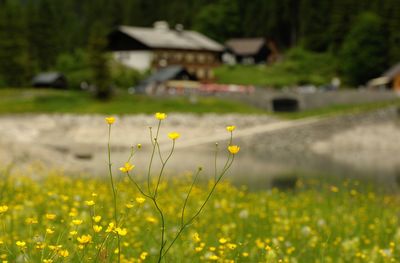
154	48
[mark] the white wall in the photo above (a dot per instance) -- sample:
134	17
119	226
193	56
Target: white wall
140	60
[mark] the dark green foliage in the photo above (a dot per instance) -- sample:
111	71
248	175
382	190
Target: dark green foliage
364	51
34	33
14	58
220	20
124	77
98	62
75	66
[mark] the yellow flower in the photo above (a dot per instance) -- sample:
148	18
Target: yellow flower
50	216
31	221
64	253
143	255
233	149
151	219
140	200
110	227
196	237
230	128
77	222
84	239
121	231
96	219
129	206
213	257
97	228
222	240
90	203
173	135
160	116
20	243
49	231
126	168
47	261
73	233
110	120
245	254
231	246
3	209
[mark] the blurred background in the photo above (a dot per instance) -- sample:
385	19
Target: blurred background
312	86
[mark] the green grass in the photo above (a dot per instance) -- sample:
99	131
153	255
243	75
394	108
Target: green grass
340	109
315	222
65	101
298	67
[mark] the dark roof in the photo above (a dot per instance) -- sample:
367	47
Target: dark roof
245	46
393	71
167	73
47	77
164	37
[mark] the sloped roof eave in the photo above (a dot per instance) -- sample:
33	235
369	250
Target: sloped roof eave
170	39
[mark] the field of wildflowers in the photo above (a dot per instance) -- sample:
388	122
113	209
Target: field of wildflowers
58	218
48	216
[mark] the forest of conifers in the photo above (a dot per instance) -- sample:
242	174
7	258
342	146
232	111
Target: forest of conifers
34	33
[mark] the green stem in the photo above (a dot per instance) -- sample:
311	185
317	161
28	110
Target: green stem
113	189
187	196
163	167
200	210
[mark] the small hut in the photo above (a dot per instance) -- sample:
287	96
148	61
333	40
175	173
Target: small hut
167	79
50	80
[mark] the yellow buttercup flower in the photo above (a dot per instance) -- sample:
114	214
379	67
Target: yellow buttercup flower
140	200
20	243
97	228
3	209
143	255
96	219
160	116
90	203
222	240
84	239
50	216
31	221
64	253
77	222
196	237
233	149
110	120
173	135
49	231
126	168
230	128
121	231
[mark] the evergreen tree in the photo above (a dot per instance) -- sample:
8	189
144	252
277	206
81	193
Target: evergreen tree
364	51
99	62
393	31
219	20
44	33
14	59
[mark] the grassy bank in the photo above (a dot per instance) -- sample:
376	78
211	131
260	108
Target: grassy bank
298	67
56	101
46	218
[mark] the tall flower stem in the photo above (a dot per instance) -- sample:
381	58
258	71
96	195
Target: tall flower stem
113	189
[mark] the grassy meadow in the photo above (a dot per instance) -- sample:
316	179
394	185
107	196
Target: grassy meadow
52	217
299	67
14	100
